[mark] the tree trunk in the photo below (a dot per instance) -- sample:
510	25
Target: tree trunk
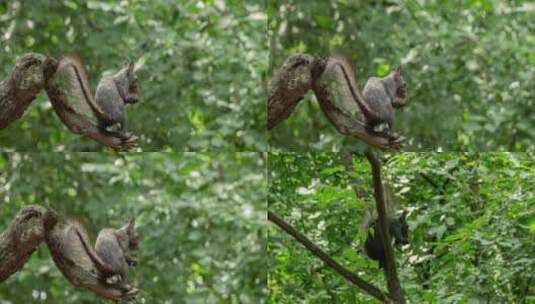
394	287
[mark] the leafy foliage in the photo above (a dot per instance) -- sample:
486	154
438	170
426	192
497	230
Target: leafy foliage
201	218
469	67
200	85
470	217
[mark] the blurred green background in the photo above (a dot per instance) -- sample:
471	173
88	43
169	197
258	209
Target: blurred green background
201	219
469	67
471	220
201	86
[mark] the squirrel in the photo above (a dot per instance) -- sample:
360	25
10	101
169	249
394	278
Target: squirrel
112	94
399	232
380	95
397	227
111	255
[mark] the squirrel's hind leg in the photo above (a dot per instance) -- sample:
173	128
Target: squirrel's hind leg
115	132
121	284
383	130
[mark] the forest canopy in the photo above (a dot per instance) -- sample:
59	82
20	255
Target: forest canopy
471	219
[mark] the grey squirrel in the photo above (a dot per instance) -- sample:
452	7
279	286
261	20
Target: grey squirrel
380	95
112	94
111	255
399	232
398	228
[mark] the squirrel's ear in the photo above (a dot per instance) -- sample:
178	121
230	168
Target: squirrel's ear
131	66
132	223
397	71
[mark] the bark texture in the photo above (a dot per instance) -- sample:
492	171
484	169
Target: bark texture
289	87
22	237
21	86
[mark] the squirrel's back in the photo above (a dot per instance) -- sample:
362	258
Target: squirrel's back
109	250
377	97
109	100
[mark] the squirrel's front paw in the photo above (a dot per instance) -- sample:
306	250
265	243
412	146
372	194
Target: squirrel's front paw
393	136
113	279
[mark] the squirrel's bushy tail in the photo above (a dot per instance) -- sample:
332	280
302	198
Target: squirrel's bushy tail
72	78
340	69
102	266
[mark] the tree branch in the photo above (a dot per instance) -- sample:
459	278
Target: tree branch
315	250
21	86
22	237
289	87
394	286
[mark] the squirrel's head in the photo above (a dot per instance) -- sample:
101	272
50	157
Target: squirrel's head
126	78
129	235
133	87
399	82
399	229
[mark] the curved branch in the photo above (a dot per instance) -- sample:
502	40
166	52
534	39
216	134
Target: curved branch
394	286
35	224
21	86
22	237
289	87
315	250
